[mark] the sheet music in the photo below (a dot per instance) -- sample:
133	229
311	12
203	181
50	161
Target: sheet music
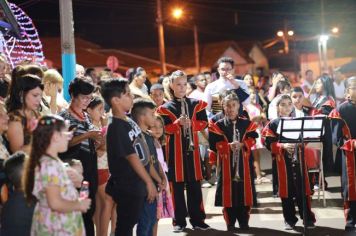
297	124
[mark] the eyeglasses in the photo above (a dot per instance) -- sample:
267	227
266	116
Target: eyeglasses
225	69
86	97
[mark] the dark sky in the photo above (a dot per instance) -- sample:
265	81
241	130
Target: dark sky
131	23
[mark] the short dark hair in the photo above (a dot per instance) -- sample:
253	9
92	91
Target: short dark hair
231	97
89	70
281	85
113	88
156	87
226	60
283	97
80	85
297	90
139	107
307	71
13	168
97	100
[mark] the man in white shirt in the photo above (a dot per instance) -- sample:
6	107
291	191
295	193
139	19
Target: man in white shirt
308	85
226	81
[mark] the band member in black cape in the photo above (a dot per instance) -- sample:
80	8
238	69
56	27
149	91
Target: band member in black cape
230	141
184	118
288	167
344	136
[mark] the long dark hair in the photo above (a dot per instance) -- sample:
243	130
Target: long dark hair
133	72
328	86
19	88
41	140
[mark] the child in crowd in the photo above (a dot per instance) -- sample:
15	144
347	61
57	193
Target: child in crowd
16	214
157	94
231	139
283	87
288	165
58	206
184	118
164	202
104	203
256	115
129	183
143	112
200	83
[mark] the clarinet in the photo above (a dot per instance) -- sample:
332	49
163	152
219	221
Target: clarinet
236	153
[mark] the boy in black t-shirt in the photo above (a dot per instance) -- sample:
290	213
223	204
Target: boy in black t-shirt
143	112
126	159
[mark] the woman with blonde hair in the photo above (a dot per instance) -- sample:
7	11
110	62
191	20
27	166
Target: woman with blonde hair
53	85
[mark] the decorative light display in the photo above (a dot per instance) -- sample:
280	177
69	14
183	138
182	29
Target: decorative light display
29	47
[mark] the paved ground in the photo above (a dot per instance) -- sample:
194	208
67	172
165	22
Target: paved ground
267	218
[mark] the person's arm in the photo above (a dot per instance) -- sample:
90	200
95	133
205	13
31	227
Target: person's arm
154	174
15	136
208	98
140	170
93	134
57	203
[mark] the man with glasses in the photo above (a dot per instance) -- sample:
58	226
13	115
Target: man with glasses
226	81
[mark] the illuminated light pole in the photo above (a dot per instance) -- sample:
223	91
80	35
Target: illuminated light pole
162	49
323	52
178	13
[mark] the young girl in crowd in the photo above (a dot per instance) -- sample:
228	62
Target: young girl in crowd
323	104
288	165
256	115
164	204
58	206
104	203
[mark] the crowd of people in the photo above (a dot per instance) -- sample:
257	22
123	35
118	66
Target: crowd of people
127	152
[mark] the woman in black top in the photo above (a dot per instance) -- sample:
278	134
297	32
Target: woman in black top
85	139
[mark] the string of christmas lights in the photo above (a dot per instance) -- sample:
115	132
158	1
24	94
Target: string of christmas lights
29	47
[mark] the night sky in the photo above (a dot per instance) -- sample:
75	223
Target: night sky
131	23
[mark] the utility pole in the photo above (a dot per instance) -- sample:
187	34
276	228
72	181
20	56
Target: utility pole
162	50
67	44
196	48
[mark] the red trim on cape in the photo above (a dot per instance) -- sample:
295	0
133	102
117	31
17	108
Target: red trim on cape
349	148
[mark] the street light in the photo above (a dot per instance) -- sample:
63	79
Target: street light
290	32
280	33
177	13
335	30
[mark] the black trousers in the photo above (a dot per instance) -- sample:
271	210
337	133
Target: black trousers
295	196
274	177
239	213
128	209
194	202
350	213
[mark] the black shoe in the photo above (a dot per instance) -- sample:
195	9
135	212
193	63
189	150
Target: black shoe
244	227
231	228
349	228
288	226
178	228
201	226
310	225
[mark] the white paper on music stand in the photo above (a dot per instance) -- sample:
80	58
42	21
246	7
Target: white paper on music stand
297	124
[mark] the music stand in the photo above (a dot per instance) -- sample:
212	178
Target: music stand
299	131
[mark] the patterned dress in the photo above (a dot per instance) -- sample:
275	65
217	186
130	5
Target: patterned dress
45	221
